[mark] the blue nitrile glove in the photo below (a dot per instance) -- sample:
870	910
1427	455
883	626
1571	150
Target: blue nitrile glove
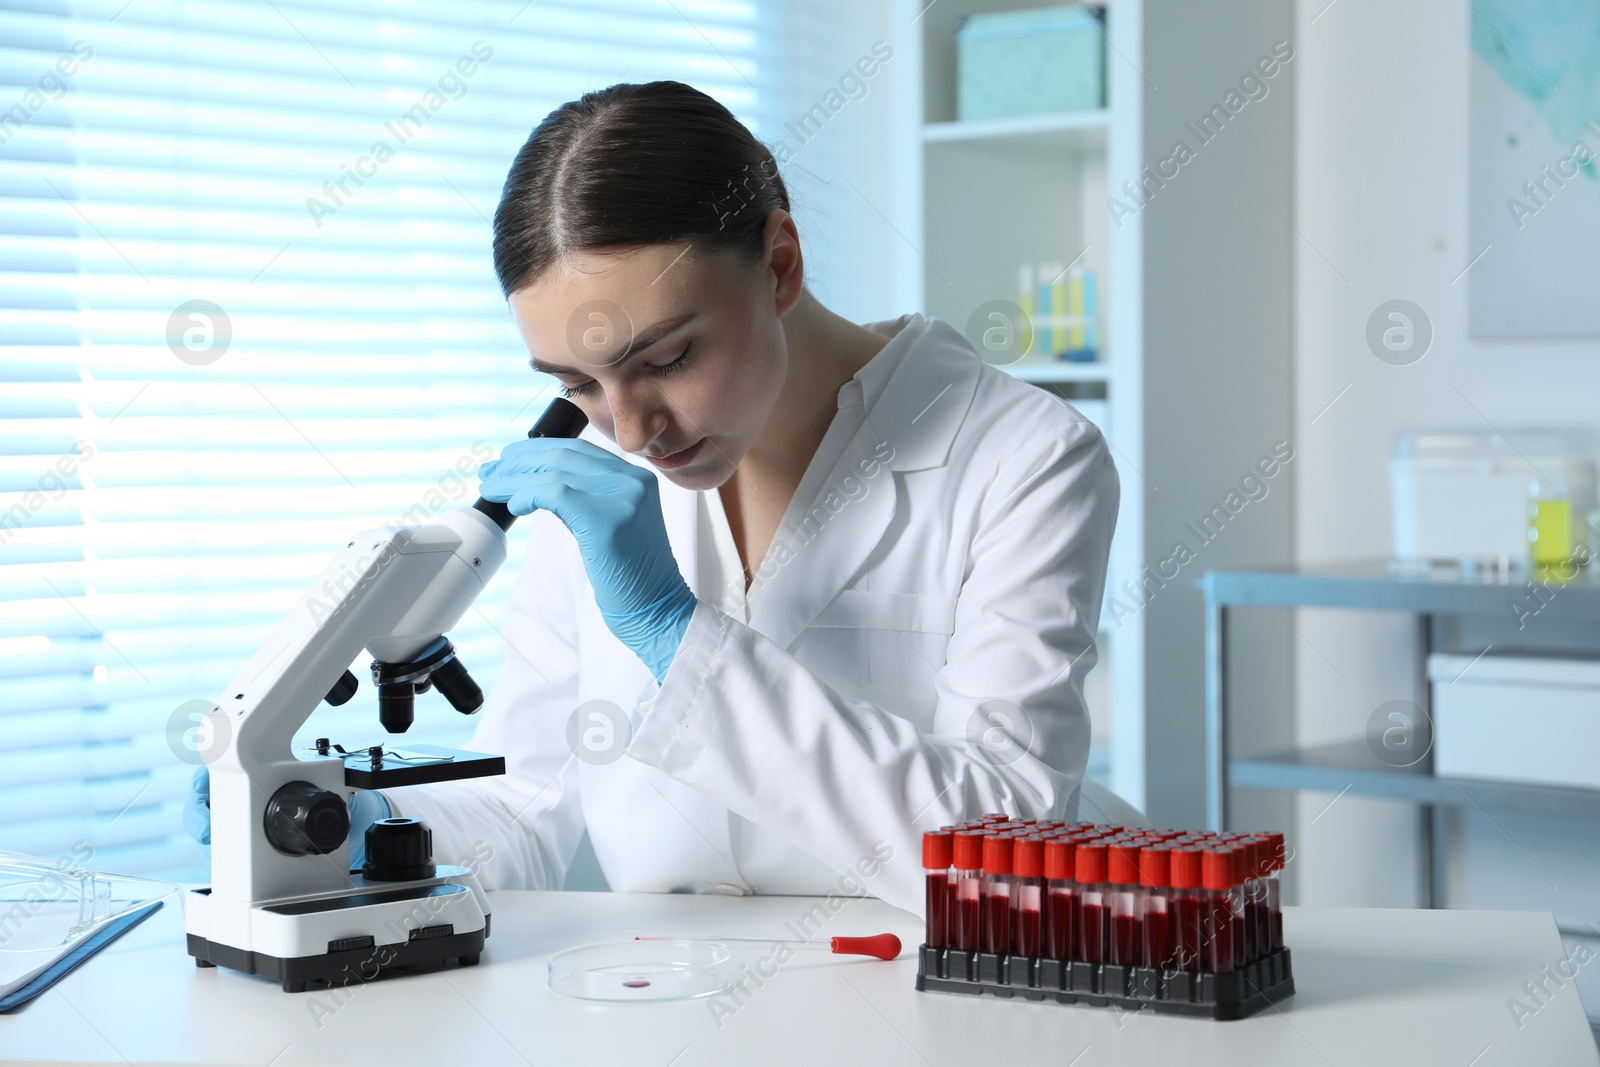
613	508
366	808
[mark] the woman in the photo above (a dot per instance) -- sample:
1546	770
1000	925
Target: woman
804	588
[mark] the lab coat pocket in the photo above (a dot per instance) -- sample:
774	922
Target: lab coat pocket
886	646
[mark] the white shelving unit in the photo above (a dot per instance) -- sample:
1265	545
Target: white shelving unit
997	193
983	197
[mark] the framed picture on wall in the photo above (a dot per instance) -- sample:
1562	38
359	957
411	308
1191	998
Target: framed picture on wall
1533	183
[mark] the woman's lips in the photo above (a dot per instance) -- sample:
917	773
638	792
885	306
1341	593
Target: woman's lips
677	459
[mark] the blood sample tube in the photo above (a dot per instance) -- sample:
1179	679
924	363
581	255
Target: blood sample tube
1156	948
1255	925
1125	899
1239	854
997	850
1184	906
1027	863
1217	902
966	921
1061	898
936	856
1089	871
1274	865
1259	894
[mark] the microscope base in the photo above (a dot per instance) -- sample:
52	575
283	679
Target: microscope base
343	968
346	937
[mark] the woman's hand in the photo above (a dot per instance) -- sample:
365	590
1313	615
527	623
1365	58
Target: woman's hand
613	508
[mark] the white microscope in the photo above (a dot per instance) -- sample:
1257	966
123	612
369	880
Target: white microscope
283	901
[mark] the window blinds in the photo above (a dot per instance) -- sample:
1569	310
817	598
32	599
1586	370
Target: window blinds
248	309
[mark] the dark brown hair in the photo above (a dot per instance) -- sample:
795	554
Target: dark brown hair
634	164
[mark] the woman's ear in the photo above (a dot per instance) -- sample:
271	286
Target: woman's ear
784	259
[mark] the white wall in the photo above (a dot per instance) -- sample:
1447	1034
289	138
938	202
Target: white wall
1381	201
1216	334
848	181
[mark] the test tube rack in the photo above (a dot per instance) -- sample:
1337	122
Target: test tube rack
1234	995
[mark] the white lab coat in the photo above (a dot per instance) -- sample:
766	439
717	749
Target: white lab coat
947	586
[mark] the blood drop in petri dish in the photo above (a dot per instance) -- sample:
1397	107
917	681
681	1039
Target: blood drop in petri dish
636	983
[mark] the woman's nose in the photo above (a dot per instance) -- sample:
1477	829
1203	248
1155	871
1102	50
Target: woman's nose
638	416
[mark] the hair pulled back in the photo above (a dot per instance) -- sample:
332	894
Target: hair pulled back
634	164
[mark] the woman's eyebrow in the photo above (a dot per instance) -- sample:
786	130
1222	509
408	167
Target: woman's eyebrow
641	341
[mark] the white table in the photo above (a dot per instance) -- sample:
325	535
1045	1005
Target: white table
1374	987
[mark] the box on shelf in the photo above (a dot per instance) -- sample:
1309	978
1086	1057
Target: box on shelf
1463	495
1036	61
1512	718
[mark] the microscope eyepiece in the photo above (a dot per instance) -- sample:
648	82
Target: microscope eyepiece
562	418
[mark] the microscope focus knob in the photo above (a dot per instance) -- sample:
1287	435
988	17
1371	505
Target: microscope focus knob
399	849
303	820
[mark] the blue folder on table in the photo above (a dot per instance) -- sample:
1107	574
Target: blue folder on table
74	956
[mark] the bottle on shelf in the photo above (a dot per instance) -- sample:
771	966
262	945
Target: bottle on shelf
1061	303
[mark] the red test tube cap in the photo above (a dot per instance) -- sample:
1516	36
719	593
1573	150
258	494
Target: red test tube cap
1089	866
1185	867
967	850
1027	857
937	849
997	854
1122	866
1256	856
1059	858
1276	853
1155	866
1217	869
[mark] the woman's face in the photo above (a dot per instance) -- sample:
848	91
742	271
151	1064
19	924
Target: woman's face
678	356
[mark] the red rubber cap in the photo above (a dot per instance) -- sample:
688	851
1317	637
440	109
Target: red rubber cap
1185	867
1155	866
1216	869
997	854
883	946
966	850
1089	866
1058	858
1027	857
1123	864
994	816
937	849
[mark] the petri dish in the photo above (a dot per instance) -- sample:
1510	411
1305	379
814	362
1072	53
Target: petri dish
641	970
